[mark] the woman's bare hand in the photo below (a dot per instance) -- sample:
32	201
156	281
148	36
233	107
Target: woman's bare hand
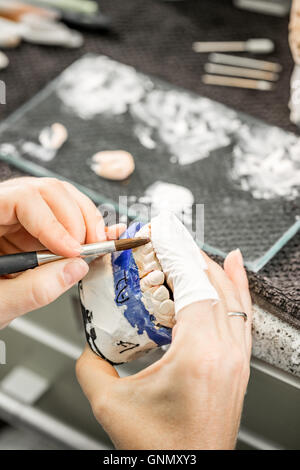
39	213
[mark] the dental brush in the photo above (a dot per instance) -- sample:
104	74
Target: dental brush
240	72
259	46
239	61
18	262
221	80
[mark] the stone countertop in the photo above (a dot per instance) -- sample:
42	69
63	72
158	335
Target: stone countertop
275	341
137	40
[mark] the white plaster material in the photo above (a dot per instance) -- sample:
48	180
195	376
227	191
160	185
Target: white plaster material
54	136
38	151
181	261
96	85
9	149
186	128
189	127
113	164
267	163
113	332
171	197
51	140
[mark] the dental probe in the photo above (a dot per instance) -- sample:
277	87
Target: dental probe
18	262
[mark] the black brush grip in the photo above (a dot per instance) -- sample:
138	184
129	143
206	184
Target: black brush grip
10	264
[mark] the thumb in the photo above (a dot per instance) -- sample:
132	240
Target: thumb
96	377
38	287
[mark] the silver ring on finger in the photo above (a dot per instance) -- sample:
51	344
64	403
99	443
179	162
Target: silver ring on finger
238	314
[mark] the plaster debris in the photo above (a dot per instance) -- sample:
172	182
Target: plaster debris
190	128
53	137
184	128
38	151
267	163
171	197
97	85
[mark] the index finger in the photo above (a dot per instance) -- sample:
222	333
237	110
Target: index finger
36	217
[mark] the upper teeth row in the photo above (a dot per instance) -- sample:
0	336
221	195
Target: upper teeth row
155	296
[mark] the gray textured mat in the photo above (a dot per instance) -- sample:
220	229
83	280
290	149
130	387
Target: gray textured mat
176	137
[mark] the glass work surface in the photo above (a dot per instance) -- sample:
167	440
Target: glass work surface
188	150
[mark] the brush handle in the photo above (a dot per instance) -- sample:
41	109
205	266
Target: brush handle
18	262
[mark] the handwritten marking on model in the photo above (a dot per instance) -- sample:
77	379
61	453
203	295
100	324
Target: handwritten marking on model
121	292
127	345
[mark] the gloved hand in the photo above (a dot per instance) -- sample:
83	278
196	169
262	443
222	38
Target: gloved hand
181	260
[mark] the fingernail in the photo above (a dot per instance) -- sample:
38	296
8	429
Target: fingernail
122	227
75	271
100	231
114	231
239	257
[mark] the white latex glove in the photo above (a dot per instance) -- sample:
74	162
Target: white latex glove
181	261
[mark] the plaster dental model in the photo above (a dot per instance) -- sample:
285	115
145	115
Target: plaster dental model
128	299
113	164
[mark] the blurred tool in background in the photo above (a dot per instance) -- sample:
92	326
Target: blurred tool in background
240	72
260	72
256	74
42	21
267	7
236	82
245	62
82	13
257	46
